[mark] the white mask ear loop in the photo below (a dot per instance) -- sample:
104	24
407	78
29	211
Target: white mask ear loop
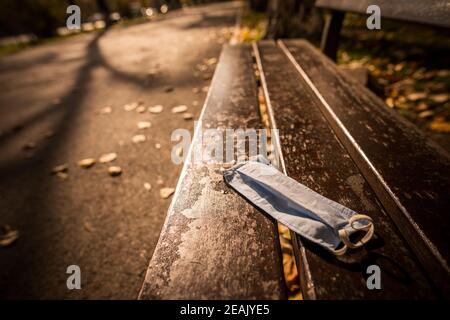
369	228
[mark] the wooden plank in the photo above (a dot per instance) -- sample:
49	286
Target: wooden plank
410	175
214	245
313	155
433	12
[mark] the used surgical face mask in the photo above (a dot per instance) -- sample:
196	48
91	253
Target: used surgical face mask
304	211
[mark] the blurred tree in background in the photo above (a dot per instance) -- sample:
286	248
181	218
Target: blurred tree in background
42	17
294	19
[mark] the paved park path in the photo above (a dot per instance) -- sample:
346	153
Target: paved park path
54	103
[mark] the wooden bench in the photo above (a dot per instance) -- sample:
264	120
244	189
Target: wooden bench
336	137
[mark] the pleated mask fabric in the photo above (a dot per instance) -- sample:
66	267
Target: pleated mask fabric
304	211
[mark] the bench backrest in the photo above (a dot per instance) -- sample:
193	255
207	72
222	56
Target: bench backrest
432	12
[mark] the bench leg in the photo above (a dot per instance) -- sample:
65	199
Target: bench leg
331	33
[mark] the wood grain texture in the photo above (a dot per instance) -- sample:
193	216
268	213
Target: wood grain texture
409	174
314	156
214	245
433	12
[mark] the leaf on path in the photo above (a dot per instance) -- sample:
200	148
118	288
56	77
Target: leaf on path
144	125
179	109
141	109
166	192
390	102
108	157
188	116
115	171
139	138
440	98
422	106
60	168
8	236
440	125
88	227
156	109
426	114
416	96
86	163
147	186
211	61
168	89
106	110
62	175
443	73
29	146
130	106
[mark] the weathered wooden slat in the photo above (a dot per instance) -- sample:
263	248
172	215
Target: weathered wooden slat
433	12
410	175
312	155
214	245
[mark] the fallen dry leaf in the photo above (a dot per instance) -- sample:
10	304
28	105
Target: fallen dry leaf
86	163
179	109
106	110
211	61
166	192
440	125
426	114
88	227
62	175
139	138
422	106
416	96
390	102
440	98
147	186
168	89
108	157
144	125
8	236
60	168
141	109
156	109
115	171
131	106
188	116
29	146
